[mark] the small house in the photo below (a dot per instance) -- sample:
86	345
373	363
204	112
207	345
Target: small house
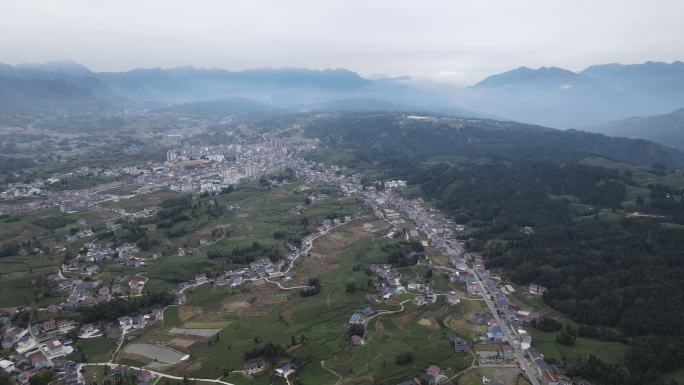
286	369
38	360
507	352
460	345
356	319
356	340
125	321
254	367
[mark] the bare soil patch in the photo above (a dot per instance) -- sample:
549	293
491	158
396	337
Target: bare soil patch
436	256
131	356
403	320
367	379
259	300
429	322
287	314
459	322
235	306
208	230
180	343
187	312
326	250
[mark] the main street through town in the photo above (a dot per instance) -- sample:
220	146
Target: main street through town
528	366
525	364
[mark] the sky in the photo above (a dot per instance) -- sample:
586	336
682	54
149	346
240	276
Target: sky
457	41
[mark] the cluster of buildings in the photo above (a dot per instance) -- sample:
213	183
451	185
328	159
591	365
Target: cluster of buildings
80	292
23	190
48	345
201	169
40	346
260	365
440	234
213	169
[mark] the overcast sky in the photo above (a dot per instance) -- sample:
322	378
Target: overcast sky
460	41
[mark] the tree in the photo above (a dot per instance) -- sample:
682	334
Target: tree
5	378
356	330
640	201
567	336
404	358
43	377
350	287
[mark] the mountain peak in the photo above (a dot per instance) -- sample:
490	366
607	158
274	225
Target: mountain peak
525	75
68	67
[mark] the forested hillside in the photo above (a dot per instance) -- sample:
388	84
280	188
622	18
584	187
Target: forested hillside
396	135
604	266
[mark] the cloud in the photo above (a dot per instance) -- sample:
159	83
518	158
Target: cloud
459	41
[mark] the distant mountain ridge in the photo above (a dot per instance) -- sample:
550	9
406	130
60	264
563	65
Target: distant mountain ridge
667	129
188	84
565	99
68	67
527	76
549	96
284	87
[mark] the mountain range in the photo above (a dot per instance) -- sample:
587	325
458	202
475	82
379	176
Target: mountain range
667	129
64	84
549	96
565	99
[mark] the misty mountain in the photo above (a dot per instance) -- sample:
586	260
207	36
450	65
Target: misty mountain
52	85
359	104
667	129
565	99
548	95
417	139
549	78
23	95
220	107
657	87
290	88
188	84
377	105
66	67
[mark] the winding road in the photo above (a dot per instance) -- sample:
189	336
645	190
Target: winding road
160	374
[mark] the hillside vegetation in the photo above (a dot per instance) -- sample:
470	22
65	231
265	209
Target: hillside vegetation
605	268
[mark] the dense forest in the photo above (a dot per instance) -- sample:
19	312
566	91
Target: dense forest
619	277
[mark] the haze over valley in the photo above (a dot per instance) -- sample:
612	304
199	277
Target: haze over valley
387	192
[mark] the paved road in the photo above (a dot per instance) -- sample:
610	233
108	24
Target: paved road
160	374
524	363
527	366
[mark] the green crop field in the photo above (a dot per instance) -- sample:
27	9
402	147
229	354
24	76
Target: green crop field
545	342
320	321
98	349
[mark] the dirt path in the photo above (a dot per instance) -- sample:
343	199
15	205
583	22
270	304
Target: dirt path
388	312
339	378
160	374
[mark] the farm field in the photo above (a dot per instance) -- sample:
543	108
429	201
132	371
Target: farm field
545	342
315	326
261	217
98	349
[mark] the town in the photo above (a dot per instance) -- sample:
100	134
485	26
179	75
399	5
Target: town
209	171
